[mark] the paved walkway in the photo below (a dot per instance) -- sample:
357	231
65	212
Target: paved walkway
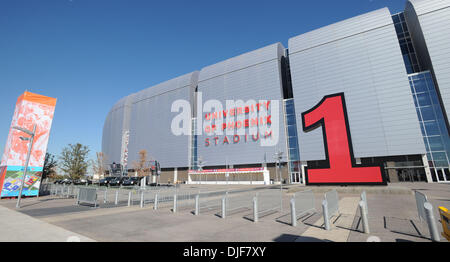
340	230
16	226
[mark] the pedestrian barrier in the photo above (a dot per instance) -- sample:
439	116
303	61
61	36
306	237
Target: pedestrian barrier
266	203
364	199
302	202
237	203
87	195
445	217
425	212
333	202
330	207
208	201
420	201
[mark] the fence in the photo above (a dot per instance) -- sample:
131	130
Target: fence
266	203
302	203
420	201
333	202
330	207
425	211
87	195
209	201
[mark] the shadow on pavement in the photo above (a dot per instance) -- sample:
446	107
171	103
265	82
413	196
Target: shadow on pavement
405	227
295	238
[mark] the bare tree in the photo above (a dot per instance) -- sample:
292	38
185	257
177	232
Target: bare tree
142	166
98	165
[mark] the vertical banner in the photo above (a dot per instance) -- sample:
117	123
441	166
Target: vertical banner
30	109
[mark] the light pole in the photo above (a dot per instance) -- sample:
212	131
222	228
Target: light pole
200	165
30	145
278	156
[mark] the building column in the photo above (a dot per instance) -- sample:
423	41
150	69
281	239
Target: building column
427	168
175	175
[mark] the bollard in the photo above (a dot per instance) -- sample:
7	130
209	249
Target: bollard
105	196
326	219
129	198
155	207
78	197
224	206
116	201
142	199
434	233
174	203
196	205
293	214
255	209
365	222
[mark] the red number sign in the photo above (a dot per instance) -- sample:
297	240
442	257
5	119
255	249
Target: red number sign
341	168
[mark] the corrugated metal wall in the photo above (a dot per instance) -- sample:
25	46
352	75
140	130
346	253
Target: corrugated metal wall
360	57
255	75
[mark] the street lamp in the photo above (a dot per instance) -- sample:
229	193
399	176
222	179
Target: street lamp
30	145
278	156
200	165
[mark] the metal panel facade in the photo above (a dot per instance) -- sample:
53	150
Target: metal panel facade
429	25
116	123
149	123
255	75
151	118
360	57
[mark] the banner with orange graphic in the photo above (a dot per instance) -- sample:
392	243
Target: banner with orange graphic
31	109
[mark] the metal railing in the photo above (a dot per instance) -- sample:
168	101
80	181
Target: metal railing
302	202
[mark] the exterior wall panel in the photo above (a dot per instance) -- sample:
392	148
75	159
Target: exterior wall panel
255	75
148	117
360	57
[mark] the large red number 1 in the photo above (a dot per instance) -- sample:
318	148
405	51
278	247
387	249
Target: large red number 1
331	114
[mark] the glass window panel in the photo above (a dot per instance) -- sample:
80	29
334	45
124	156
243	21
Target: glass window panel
422	128
415	102
434	98
427	113
289	110
418	113
396	19
440	163
435	143
412	87
420	86
291	120
439	156
425	141
423	99
292	130
432	128
398	28
443	128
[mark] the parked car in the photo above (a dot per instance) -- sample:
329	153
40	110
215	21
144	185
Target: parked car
131	181
57	181
82	181
105	181
66	181
117	181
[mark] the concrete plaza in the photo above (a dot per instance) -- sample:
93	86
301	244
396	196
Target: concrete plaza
392	218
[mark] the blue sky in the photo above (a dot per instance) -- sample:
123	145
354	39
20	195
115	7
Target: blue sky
90	53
